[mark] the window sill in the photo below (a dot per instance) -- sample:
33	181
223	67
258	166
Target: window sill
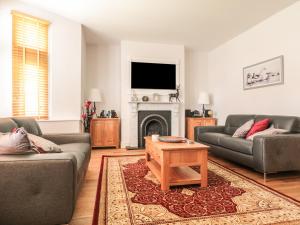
59	120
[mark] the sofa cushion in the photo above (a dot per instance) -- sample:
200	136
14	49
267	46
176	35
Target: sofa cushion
7	125
233	122
16	142
270	131
288	123
259	126
211	138
243	130
237	144
43	145
30	125
81	152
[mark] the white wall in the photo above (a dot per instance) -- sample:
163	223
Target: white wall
65	40
83	65
154	52
103	72
196	64
278	35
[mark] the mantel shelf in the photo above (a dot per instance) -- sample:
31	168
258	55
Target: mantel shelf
152	102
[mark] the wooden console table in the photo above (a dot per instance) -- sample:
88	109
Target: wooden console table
105	132
170	163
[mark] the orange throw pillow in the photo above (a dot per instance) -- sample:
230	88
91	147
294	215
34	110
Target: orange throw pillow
259	126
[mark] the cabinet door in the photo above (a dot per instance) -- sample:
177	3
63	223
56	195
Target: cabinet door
98	133
111	132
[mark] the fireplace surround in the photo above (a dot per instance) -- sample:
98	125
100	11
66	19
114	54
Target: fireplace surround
131	123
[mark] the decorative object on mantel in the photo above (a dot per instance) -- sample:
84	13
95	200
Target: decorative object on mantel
156	97
95	96
113	114
195	113
175	95
102	114
87	115
266	73
145	98
134	97
208	113
108	114
188	113
203	100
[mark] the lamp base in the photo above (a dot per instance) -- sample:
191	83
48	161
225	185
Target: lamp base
203	110
94	108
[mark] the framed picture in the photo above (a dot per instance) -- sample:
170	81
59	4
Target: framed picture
266	73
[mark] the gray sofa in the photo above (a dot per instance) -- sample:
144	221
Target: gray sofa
41	189
266	154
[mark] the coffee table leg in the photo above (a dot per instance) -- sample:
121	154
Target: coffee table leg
165	171
147	156
203	168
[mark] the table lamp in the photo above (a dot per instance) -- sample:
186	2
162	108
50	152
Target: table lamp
203	100
95	96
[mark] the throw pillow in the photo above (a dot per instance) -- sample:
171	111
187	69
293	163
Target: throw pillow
242	131
43	145
16	142
259	126
270	131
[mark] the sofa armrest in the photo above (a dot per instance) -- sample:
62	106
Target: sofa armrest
37	188
205	129
276	153
215	129
68	138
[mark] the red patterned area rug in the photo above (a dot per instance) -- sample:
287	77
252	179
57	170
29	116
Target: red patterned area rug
128	193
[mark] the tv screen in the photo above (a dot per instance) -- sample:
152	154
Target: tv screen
153	76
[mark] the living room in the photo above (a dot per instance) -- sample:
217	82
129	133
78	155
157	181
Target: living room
149	112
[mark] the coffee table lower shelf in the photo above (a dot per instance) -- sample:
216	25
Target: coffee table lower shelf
178	175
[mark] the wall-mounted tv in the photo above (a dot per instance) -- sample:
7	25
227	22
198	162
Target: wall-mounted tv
153	76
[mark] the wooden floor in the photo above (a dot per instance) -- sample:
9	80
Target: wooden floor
287	183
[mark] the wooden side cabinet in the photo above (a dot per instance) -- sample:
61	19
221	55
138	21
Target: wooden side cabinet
105	132
192	122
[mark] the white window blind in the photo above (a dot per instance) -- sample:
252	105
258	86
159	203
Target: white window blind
30	66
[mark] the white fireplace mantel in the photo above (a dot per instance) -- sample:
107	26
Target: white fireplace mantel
174	107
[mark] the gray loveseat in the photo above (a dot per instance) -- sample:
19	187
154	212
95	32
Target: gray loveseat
41	189
266	154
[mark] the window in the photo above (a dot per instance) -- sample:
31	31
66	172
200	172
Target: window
30	66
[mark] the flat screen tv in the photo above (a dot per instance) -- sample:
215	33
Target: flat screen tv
153	76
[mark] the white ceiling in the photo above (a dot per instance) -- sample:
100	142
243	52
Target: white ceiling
201	24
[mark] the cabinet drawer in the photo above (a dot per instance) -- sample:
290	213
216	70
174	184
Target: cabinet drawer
209	123
197	123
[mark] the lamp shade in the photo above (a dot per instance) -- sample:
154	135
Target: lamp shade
203	98
95	95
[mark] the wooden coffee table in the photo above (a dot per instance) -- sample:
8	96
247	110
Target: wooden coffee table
170	162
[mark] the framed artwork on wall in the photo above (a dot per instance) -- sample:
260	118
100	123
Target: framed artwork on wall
262	74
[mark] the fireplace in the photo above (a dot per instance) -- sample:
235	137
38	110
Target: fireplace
153	122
